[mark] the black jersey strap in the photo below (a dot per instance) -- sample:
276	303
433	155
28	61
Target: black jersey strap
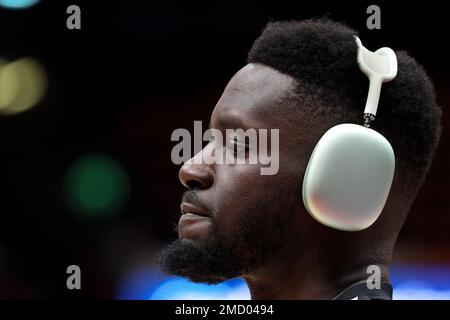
360	291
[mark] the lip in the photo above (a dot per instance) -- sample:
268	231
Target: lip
193	226
189	217
186	208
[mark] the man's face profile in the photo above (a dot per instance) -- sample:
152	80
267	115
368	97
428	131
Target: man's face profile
233	218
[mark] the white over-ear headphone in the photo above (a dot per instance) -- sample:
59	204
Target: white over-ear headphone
350	172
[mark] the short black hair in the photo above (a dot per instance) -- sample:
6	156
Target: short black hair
321	56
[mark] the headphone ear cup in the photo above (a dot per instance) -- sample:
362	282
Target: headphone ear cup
348	177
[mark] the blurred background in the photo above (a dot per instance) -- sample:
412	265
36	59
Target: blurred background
85	123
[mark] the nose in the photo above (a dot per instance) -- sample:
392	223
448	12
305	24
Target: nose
195	175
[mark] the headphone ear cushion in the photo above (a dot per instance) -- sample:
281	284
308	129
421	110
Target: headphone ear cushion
348	177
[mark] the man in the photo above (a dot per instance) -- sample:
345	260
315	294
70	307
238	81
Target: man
303	78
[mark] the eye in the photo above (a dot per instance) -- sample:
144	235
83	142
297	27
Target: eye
210	140
238	145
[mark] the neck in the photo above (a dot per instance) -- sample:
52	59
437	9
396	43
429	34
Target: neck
314	274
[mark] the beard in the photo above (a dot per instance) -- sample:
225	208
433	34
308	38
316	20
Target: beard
257	236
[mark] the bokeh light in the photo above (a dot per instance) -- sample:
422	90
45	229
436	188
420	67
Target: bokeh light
17	4
23	84
96	185
182	289
149	283
421	282
410	281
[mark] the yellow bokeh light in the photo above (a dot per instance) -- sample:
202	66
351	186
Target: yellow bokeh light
23	84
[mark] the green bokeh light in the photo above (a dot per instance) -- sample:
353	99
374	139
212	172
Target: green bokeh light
96	184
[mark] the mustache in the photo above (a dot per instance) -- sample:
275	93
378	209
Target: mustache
192	197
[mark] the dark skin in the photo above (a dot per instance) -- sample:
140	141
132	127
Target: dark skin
313	262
